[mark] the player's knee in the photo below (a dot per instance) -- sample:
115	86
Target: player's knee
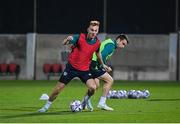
97	85
109	81
59	87
93	87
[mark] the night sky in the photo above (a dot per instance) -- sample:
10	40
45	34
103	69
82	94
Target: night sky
73	16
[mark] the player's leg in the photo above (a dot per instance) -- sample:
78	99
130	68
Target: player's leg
97	83
89	104
65	78
108	83
90	83
95	73
58	88
106	87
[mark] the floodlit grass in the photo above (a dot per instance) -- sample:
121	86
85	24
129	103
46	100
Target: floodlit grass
19	102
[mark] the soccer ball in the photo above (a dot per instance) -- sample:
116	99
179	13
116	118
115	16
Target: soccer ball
131	94
112	94
125	93
139	94
75	106
121	94
146	93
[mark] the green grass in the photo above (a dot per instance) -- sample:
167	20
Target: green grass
19	102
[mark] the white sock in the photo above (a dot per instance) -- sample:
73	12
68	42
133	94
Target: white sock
48	104
86	98
102	100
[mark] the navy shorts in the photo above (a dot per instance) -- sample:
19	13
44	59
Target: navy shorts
96	70
70	72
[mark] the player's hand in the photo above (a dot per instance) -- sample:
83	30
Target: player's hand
108	69
67	40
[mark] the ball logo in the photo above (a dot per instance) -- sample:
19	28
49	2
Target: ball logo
65	73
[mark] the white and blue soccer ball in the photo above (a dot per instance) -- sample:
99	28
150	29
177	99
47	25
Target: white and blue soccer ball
125	93
146	93
121	94
136	95
139	94
112	94
131	93
75	106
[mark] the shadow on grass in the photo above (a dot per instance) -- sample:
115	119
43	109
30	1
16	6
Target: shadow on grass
25	109
154	100
36	113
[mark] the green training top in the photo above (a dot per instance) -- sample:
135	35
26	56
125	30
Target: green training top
107	48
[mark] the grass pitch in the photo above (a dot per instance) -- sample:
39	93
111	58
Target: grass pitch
19	102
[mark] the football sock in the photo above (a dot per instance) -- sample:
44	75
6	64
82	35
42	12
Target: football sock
48	104
86	98
102	100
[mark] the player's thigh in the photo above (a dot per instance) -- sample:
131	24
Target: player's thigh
90	83
86	77
59	87
106	77
97	82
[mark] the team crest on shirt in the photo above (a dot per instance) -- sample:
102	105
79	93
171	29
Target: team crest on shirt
65	73
89	74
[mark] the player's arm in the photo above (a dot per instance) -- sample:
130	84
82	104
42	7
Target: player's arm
71	40
67	40
108	50
99	57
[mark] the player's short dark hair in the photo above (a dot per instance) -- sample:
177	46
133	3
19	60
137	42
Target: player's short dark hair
94	23
122	37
